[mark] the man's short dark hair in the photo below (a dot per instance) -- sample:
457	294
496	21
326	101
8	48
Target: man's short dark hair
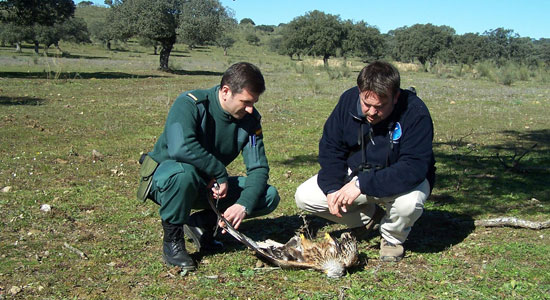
244	75
380	78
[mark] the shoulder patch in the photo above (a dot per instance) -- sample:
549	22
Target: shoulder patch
192	96
397	132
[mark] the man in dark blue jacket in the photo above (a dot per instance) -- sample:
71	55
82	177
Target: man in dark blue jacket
376	148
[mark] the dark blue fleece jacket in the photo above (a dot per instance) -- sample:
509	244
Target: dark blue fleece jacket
397	151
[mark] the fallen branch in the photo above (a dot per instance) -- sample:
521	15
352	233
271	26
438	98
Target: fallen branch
512	222
515	160
77	251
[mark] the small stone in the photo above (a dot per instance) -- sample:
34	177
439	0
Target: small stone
96	155
15	290
45	207
6	189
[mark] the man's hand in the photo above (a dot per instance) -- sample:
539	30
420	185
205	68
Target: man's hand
234	215
218	191
333	206
340	199
348	193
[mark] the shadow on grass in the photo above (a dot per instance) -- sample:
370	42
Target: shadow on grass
195	73
73	75
474	180
77	56
177	55
437	230
201	49
298	160
21	101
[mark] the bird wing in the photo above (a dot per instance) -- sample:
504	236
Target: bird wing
252	245
298	252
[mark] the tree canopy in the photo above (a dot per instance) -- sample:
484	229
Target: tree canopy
41	12
247	21
315	33
363	41
202	21
162	20
41	21
422	41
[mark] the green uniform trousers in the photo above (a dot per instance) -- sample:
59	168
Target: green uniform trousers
178	188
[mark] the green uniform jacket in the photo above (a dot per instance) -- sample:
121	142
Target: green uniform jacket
199	132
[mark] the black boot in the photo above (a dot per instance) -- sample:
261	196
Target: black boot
201	228
173	247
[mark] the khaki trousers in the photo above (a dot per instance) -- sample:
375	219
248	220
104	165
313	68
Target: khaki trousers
401	210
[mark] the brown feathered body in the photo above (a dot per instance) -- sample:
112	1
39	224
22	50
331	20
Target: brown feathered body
332	256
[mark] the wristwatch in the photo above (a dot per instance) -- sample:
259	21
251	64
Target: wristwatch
357	183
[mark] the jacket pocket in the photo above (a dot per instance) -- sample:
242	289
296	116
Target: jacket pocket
148	167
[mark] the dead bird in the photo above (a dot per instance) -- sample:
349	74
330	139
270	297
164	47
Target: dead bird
330	255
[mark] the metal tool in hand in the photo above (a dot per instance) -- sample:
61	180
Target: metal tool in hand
217	187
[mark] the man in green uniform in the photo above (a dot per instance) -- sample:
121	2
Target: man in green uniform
204	132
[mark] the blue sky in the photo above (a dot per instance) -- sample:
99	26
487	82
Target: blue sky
528	18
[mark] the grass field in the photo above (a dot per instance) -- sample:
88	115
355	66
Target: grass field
55	111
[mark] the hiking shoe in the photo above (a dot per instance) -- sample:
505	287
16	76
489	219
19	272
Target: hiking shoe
173	247
367	231
200	230
390	252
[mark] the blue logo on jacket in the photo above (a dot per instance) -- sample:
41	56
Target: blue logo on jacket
396	132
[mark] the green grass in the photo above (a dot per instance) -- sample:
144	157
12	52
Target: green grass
54	111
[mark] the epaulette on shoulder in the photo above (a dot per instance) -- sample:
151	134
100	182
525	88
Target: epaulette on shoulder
196	95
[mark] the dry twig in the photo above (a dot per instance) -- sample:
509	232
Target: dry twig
75	250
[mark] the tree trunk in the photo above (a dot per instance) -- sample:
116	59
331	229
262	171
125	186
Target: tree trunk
109	45
155	50
165	56
224	51
422	60
56	44
18	47
36	47
325	60
167	46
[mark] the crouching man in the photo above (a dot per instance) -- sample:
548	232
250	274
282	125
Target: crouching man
376	148
204	132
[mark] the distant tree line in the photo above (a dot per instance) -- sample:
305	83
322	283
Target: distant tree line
159	23
325	35
162	23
